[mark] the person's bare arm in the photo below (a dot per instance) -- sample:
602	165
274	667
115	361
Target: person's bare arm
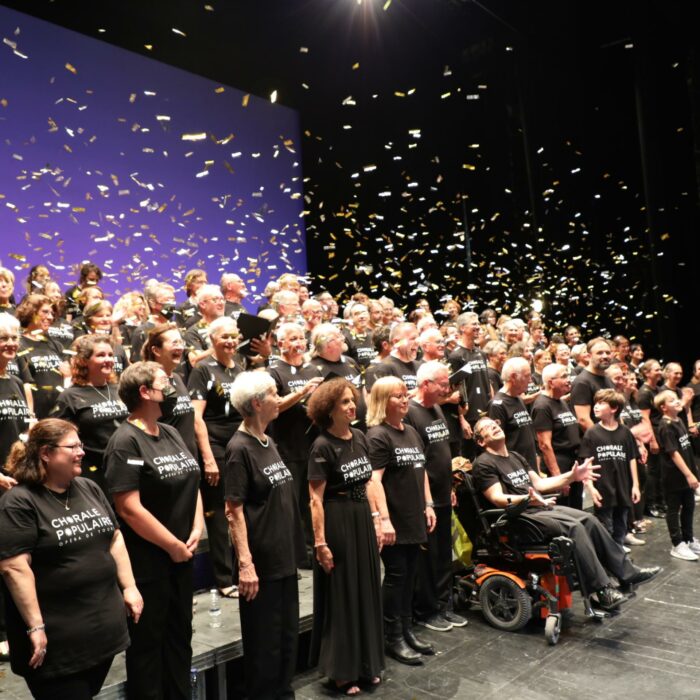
211	469
583	416
248	582
125	576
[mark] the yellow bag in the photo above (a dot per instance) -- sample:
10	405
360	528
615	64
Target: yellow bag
461	544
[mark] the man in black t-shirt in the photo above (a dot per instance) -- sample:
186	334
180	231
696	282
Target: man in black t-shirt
509	409
401	362
474	379
503	478
591	380
234	290
432	599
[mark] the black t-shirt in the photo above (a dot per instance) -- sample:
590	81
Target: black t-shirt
431	426
96	413
645	401
361	348
43	357
673	437
181	414
185	312
555	416
400	454
166	476
14	414
495	379
63	332
512	472
138	338
342	464
19	369
393	367
476	388
695	403
584	388
292	428
233	309
630	415
75	576
517	425
612	450
211	381
197	337
257	477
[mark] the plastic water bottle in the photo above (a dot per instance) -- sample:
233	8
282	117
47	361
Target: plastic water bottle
194	684
214	608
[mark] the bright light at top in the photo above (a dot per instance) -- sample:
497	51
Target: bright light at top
537	305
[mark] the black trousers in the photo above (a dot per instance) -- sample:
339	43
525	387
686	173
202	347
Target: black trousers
654	487
159	658
435	567
300	471
596	551
614	519
220	549
639	507
270	631
574	499
83	685
400	569
679	515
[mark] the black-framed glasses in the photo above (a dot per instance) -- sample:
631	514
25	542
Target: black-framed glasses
77	447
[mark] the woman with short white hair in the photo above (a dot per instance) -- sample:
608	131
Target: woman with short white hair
265	527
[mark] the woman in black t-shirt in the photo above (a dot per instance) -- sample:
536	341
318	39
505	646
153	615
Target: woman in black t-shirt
63	560
154	482
215	423
346	510
165	346
42	356
263	516
396	453
60	330
98	319
92	402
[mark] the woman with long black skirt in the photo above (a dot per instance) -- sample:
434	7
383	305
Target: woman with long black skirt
347	511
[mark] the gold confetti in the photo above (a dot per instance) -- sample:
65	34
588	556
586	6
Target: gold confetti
71	68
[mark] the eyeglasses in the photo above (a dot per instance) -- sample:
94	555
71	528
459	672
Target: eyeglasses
77	447
9	339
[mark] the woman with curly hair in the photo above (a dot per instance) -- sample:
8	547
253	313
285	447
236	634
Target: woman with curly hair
40	355
98	319
350	522
92	403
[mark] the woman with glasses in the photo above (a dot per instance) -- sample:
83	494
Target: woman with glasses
92	401
165	346
154	481
398	461
64	562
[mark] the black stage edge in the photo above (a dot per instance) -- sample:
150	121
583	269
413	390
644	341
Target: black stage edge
648	650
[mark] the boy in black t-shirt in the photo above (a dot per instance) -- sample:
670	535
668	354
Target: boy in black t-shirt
679	476
612	446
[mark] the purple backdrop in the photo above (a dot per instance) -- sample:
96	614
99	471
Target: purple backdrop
142	168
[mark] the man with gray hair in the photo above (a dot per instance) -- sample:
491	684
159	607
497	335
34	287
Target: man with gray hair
161	304
432	598
401	362
510	411
473	381
234	290
432	344
211	305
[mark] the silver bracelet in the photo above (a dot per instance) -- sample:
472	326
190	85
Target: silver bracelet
38	628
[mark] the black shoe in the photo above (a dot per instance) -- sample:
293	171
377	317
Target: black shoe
454	619
399	650
415	643
641	575
609	598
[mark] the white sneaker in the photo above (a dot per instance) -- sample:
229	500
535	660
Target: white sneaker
683	551
626	549
632	540
694	546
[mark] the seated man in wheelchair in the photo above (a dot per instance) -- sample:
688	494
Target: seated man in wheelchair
504	478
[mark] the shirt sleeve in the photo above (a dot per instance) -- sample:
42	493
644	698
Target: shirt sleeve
123	468
62	408
380	452
318	461
542	418
236	476
580	393
199	383
19	531
668	440
484	476
586	449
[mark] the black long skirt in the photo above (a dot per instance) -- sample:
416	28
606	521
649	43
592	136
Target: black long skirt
347	641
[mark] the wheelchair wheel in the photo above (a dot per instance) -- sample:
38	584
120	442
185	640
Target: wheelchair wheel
505	605
552	628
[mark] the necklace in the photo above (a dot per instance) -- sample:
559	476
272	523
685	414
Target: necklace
57	499
109	394
262	444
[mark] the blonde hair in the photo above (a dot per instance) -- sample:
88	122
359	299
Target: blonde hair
379	398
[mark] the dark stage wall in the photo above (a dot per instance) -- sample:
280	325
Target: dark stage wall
144	169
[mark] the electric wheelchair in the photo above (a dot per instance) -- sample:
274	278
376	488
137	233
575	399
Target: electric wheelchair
518	572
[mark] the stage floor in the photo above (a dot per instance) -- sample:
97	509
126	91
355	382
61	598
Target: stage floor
649	650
